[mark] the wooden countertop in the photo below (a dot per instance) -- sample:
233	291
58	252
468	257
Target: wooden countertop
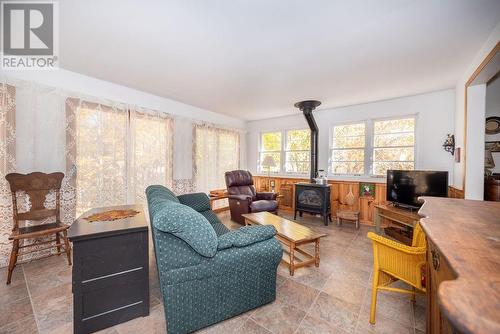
467	235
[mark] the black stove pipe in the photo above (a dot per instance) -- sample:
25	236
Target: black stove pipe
307	108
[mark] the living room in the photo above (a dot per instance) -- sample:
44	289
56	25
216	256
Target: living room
250	167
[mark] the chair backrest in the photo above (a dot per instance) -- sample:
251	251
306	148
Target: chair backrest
37	186
418	237
240	182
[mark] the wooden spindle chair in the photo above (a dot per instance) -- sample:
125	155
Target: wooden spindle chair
36	186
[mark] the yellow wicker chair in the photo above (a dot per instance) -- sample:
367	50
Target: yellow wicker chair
394	261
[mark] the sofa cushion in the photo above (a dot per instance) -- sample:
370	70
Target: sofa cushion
264	205
212	218
198	201
188	225
245	236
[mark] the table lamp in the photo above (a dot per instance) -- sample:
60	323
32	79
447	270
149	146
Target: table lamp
268	162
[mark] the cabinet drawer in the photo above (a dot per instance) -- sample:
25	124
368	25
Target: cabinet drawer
119	293
105	256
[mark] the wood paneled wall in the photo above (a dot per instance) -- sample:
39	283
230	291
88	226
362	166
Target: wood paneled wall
455	193
339	191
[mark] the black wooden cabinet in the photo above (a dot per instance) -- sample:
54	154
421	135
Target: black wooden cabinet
110	270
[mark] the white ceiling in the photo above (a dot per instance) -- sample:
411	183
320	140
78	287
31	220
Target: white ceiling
253	59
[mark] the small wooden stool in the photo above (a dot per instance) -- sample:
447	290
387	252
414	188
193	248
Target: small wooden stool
352	216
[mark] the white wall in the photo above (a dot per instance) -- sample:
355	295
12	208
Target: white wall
475	141
493	109
434	121
460	105
40	132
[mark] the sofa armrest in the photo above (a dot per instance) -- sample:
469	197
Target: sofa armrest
270	196
197	201
246	236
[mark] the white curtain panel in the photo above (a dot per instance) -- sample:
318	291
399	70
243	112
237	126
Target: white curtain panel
215	151
7	165
115	152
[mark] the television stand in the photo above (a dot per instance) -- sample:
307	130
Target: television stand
390	214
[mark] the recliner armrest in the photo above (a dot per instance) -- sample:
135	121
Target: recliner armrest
246	236
270	196
240	197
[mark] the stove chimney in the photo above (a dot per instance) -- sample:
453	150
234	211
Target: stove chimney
307	108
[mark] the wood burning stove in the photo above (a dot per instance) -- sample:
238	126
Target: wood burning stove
311	197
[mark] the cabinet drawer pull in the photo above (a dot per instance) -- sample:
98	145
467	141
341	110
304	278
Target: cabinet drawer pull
435	259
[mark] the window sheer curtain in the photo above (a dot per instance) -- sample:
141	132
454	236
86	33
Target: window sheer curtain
7	165
215	151
114	153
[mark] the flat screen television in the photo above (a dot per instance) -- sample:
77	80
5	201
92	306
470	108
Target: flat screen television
404	187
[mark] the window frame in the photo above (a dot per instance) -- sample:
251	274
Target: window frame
260	151
330	148
283	151
370	144
372	153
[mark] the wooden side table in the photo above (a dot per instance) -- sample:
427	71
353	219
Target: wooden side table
352	216
218	197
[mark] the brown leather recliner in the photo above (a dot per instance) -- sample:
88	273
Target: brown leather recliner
244	199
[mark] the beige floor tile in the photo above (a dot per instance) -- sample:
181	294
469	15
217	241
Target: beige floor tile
383	325
251	327
345	289
393	306
312	276
336	311
26	325
297	294
314	325
39	283
152	324
228	326
53	308
15	311
279	318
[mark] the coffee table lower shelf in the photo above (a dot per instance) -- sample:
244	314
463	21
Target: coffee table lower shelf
293	261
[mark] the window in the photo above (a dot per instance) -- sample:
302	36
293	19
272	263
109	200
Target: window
372	147
216	151
270	145
393	145
348	149
117	152
289	149
298	151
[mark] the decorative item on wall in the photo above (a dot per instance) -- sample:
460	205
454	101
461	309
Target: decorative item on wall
492	125
273	185
367	189
493	146
449	144
349	198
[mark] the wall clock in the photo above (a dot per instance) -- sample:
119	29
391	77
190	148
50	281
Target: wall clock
493	125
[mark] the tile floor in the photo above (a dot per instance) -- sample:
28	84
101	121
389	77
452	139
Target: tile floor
334	298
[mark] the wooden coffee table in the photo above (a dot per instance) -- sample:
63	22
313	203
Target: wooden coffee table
291	235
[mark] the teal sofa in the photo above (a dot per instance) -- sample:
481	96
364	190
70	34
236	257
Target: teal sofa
207	272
